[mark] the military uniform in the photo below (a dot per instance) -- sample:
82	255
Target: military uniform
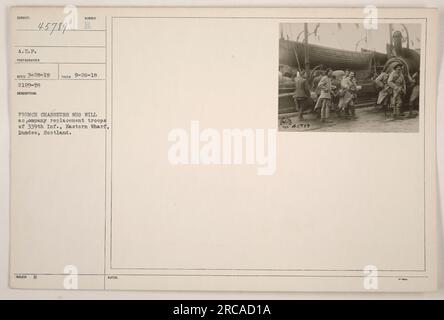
346	103
324	97
336	86
414	96
301	94
397	83
384	92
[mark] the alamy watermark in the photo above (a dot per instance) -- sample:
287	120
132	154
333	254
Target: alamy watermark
371	17
71	19
71	279
370	281
224	147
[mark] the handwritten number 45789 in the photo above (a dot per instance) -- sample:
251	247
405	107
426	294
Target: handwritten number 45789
52	27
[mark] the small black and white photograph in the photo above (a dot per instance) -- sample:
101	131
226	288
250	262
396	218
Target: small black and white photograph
349	77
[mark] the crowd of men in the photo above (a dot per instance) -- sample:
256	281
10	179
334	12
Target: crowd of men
337	91
393	90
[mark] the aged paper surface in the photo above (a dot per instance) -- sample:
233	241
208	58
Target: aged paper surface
167	149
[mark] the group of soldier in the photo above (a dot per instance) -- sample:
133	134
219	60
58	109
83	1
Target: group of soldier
330	93
393	91
334	93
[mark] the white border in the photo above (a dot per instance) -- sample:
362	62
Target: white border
7	293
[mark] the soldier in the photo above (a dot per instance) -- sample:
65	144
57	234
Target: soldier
384	91
414	96
354	90
324	100
336	85
301	94
346	102
397	83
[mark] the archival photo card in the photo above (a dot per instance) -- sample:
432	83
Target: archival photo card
158	149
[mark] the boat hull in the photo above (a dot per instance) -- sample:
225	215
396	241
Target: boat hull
327	57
